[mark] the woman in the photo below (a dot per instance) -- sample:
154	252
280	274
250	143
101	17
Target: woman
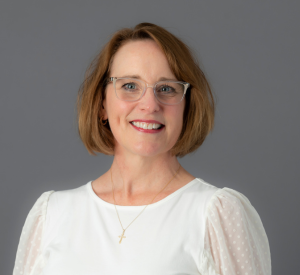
146	102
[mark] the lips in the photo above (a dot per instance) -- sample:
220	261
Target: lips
147	121
148	126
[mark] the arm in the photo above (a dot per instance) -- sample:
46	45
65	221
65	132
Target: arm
28	258
235	238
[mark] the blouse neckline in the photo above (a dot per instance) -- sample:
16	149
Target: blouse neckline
138	207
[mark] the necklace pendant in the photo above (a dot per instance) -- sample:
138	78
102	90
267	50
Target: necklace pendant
122	236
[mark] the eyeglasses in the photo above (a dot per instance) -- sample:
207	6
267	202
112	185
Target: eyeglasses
170	92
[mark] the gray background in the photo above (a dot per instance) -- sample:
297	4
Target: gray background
250	53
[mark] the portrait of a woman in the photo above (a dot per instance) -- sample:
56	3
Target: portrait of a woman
146	102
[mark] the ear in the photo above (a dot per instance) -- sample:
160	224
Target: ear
102	111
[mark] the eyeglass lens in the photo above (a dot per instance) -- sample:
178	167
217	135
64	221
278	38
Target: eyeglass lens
130	89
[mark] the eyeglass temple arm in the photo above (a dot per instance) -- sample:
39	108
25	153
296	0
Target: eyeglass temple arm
110	79
187	85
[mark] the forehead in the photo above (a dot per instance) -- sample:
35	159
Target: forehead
142	57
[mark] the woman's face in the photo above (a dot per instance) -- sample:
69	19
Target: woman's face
145	60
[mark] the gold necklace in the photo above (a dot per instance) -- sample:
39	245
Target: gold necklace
122	236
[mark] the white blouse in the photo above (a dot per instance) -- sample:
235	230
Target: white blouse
198	229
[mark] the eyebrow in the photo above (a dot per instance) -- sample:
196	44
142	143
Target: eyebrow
138	77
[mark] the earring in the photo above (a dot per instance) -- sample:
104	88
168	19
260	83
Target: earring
103	122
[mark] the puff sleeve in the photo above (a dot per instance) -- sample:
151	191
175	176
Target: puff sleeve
28	257
235	239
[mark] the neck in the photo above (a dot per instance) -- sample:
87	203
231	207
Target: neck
136	175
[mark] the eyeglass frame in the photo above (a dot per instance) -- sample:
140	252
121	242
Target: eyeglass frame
185	84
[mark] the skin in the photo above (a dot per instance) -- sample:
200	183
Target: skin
142	164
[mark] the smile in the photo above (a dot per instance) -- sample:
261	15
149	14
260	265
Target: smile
149	126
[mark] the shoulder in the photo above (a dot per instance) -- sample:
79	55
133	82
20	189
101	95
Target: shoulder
58	197
229	206
39	208
232	207
230	199
202	193
65	196
204	190
64	205
65	199
218	199
42	200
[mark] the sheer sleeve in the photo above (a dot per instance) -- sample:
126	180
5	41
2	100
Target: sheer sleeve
28	258
235	241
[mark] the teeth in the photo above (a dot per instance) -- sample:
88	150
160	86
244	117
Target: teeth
144	125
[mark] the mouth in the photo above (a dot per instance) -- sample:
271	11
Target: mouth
147	126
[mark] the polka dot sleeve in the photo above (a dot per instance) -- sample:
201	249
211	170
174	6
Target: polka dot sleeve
28	258
235	241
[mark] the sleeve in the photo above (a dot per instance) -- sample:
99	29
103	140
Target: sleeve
235	239
28	257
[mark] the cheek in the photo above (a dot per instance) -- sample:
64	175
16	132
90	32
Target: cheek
114	106
118	112
176	116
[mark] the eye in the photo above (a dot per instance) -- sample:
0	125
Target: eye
166	89
129	86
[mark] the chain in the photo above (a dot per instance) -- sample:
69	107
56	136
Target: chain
145	206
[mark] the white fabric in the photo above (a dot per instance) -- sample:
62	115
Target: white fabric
198	229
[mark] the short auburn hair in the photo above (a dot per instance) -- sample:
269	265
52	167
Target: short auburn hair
198	117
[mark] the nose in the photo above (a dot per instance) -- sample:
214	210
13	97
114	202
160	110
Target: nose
148	101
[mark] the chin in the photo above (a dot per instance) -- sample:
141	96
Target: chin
150	151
